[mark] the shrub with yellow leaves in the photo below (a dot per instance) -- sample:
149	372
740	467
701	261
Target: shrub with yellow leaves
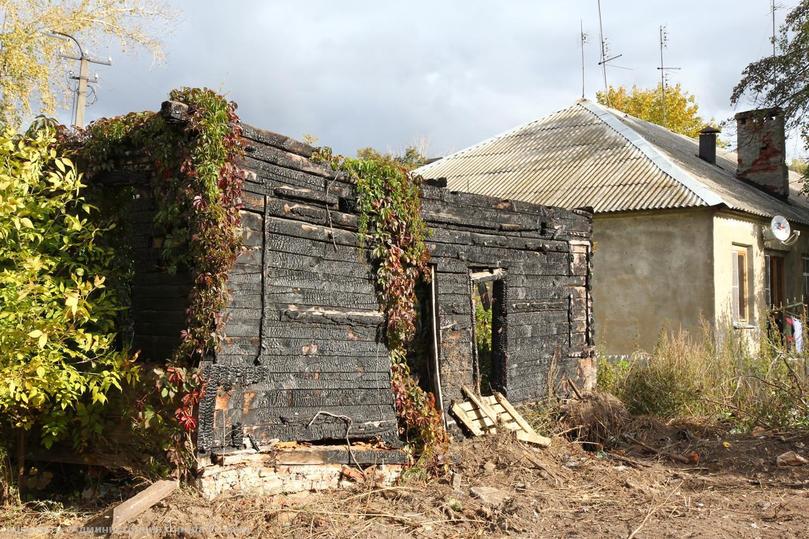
58	355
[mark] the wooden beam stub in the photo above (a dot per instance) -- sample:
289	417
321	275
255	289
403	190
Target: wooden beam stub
141	501
174	111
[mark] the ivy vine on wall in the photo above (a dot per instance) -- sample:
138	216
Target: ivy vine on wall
389	204
197	189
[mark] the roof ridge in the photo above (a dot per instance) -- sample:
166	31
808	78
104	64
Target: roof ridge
491	139
707	195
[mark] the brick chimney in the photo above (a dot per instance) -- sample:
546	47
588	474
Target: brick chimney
762	150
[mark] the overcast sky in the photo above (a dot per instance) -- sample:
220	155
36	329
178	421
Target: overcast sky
449	73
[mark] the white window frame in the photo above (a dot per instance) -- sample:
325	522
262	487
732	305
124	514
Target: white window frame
740	299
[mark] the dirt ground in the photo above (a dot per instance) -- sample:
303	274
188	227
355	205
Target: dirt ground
725	486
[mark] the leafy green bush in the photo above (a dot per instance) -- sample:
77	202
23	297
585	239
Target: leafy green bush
58	358
611	374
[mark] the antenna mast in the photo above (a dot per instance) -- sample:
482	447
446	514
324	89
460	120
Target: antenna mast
664	38
604	59
583	40
773	9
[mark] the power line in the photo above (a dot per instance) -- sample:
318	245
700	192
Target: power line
83	78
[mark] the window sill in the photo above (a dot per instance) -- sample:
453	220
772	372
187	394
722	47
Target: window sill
743	325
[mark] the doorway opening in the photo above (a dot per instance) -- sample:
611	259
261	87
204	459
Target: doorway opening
774	280
488	328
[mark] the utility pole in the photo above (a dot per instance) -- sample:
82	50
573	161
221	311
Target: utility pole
583	40
664	38
83	79
604	58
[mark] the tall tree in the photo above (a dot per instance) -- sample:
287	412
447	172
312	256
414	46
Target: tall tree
783	78
411	158
680	114
32	69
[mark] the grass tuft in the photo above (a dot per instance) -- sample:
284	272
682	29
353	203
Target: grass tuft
715	378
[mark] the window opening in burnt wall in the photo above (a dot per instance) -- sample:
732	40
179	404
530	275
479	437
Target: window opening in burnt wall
419	352
489	337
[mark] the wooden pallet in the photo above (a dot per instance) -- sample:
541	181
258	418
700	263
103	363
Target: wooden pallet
483	415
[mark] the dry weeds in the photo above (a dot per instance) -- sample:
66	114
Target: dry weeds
734	489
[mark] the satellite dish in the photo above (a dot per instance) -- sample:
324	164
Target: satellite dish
779	228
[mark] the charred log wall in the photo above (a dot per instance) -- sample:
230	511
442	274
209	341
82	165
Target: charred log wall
158	299
545	252
303	328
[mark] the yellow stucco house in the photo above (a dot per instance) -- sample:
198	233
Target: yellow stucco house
682	231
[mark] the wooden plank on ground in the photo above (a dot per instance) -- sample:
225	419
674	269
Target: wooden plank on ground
533	438
141	501
482	415
510	409
468	422
480	404
527	434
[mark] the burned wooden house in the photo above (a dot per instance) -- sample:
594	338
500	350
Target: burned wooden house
303	348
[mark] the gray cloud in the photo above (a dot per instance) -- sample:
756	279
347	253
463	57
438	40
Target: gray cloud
387	74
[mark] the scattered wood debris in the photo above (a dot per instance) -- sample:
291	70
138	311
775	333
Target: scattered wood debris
141	501
790	458
482	415
691	458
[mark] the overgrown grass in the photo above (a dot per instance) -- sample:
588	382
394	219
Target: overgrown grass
717	379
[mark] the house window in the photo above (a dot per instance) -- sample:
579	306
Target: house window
740	292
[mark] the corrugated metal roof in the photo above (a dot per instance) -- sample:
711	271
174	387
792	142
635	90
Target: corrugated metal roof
589	155
721	178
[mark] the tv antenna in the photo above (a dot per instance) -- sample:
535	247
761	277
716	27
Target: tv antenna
773	8
605	58
582	40
664	38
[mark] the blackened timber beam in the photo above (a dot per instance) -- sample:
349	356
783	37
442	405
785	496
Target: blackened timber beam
286	159
309	195
174	111
487	276
316	315
276	140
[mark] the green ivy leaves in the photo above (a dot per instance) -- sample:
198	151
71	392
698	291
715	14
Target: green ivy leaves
197	189
389	203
